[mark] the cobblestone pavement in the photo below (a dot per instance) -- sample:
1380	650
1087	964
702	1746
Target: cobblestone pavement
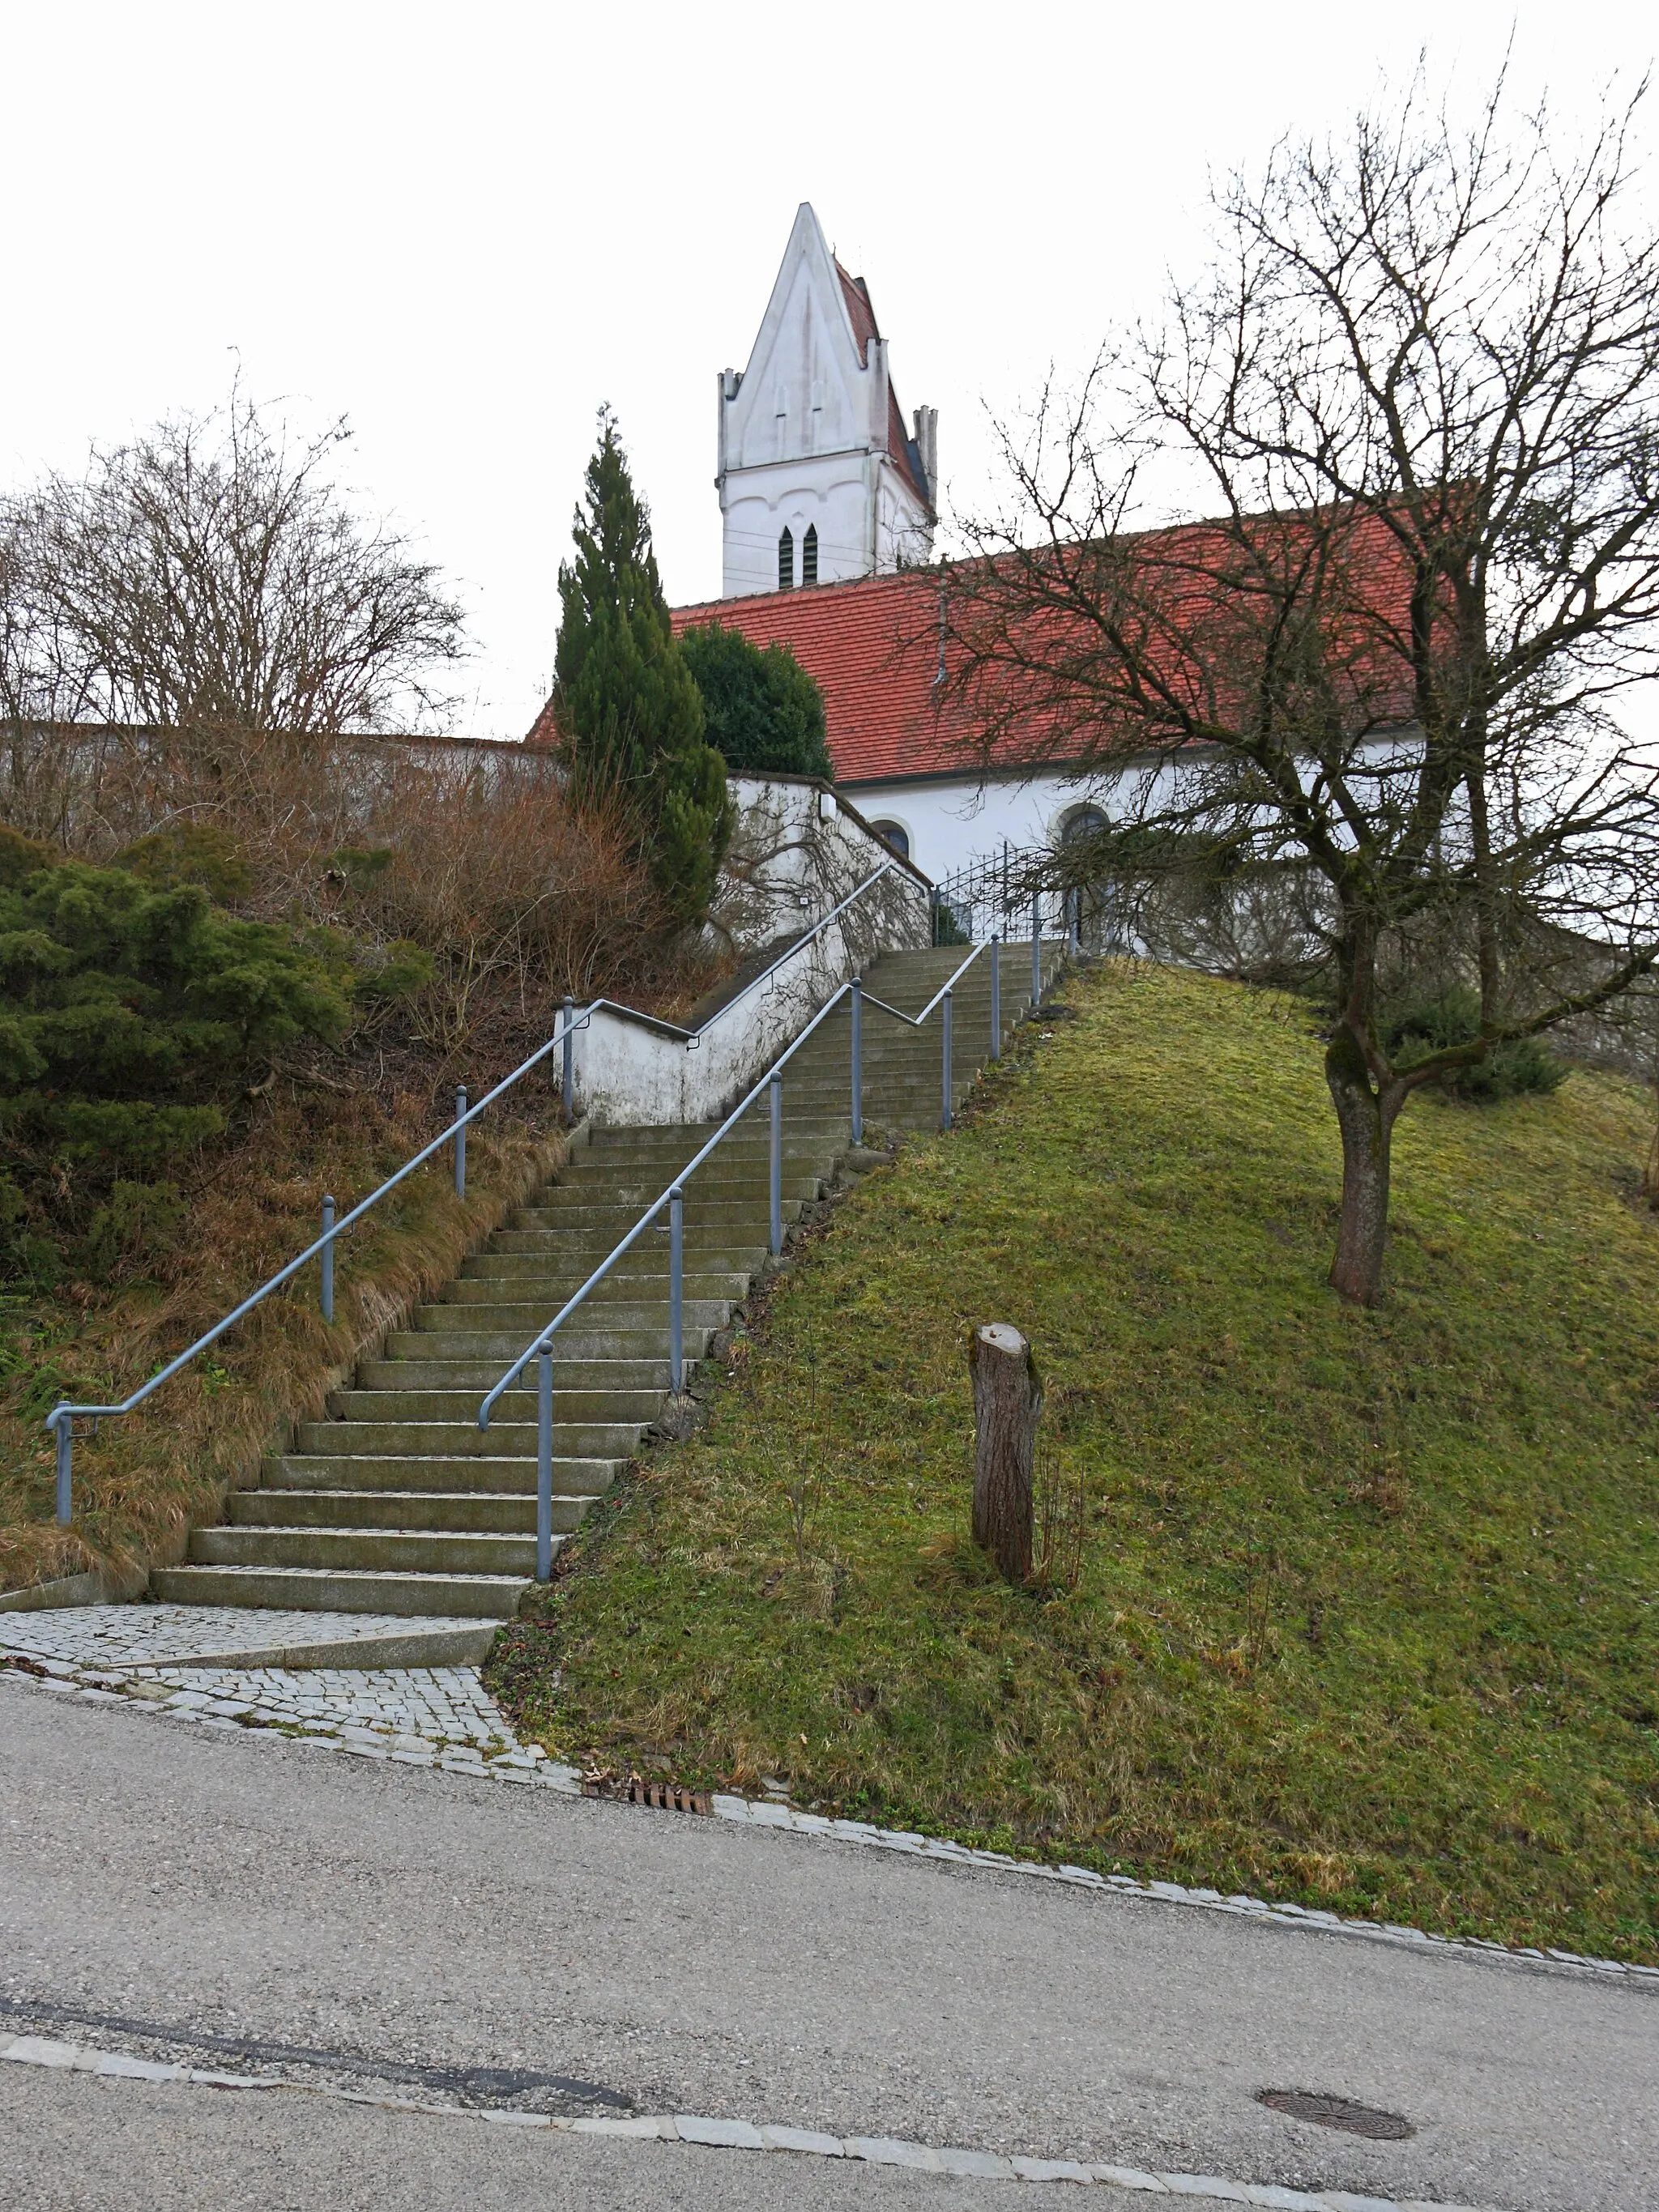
148	1634
424	1715
420	1715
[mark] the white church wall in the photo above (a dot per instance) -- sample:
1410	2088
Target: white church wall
952	821
798	852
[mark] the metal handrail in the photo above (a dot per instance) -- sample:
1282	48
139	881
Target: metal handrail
60	1422
654	1209
695	1037
540	1347
62	1418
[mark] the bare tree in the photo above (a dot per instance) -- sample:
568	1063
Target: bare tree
1419	392
211	576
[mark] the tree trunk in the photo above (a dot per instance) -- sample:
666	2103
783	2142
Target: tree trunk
1007	1403
1366	1118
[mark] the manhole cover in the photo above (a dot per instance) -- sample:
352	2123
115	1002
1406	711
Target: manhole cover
1327	2111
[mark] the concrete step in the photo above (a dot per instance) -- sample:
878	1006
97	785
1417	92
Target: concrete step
639	1275
474	1596
712	1188
502	1469
674	1146
719	1249
531	1315
615	1218
575	1346
365	1551
595	1379
581	1412
476	1512
597	1446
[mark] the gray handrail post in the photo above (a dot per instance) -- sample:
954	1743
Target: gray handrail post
996	996
460	1140
567	1075
328	1259
775	1090
544	1465
677	1289
858	1059
944	1103
65	1467
1036	949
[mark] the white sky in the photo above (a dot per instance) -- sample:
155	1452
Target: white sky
463	227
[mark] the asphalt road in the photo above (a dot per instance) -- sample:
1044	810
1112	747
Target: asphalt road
161	1886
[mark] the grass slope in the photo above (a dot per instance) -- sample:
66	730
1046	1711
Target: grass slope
1369	1607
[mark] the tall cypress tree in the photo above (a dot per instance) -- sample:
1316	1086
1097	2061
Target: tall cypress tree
630	715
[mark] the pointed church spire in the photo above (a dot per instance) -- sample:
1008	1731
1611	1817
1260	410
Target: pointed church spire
811	437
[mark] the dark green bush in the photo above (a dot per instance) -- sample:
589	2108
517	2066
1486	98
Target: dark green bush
192	853
129	1012
762	710
1452	1017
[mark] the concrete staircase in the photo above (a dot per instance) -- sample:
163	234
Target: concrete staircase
398	1503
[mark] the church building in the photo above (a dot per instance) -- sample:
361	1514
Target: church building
828	506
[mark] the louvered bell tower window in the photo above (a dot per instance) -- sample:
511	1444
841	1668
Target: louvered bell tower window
809	554
786	562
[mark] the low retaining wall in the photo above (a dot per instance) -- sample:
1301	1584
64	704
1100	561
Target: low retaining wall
799	851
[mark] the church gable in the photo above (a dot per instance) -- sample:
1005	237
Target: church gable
803	392
819	481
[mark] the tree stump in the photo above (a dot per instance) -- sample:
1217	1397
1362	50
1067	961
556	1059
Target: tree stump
1007	1404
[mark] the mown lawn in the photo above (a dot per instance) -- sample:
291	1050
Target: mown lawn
1368	1613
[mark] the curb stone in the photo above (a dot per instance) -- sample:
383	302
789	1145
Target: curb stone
514	1765
710	2133
769	1813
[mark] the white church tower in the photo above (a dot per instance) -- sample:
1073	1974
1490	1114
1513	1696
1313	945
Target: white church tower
819	480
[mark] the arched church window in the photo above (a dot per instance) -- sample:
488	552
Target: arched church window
809	554
896	835
1083	822
786	562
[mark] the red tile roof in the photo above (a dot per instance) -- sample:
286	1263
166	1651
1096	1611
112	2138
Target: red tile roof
861	310
856	293
873	645
878	650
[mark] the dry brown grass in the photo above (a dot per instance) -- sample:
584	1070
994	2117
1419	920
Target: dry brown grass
471	854
143	1482
470	851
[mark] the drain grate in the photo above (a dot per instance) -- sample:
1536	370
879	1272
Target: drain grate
635	1790
1328	2111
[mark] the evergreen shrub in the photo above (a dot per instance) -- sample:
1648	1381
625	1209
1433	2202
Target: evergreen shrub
762	710
628	711
1452	1017
129	1010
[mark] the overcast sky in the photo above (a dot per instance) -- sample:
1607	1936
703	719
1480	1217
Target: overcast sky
464	228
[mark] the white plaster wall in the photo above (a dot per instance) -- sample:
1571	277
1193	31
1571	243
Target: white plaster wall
829	493
953	821
631	1071
798	852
